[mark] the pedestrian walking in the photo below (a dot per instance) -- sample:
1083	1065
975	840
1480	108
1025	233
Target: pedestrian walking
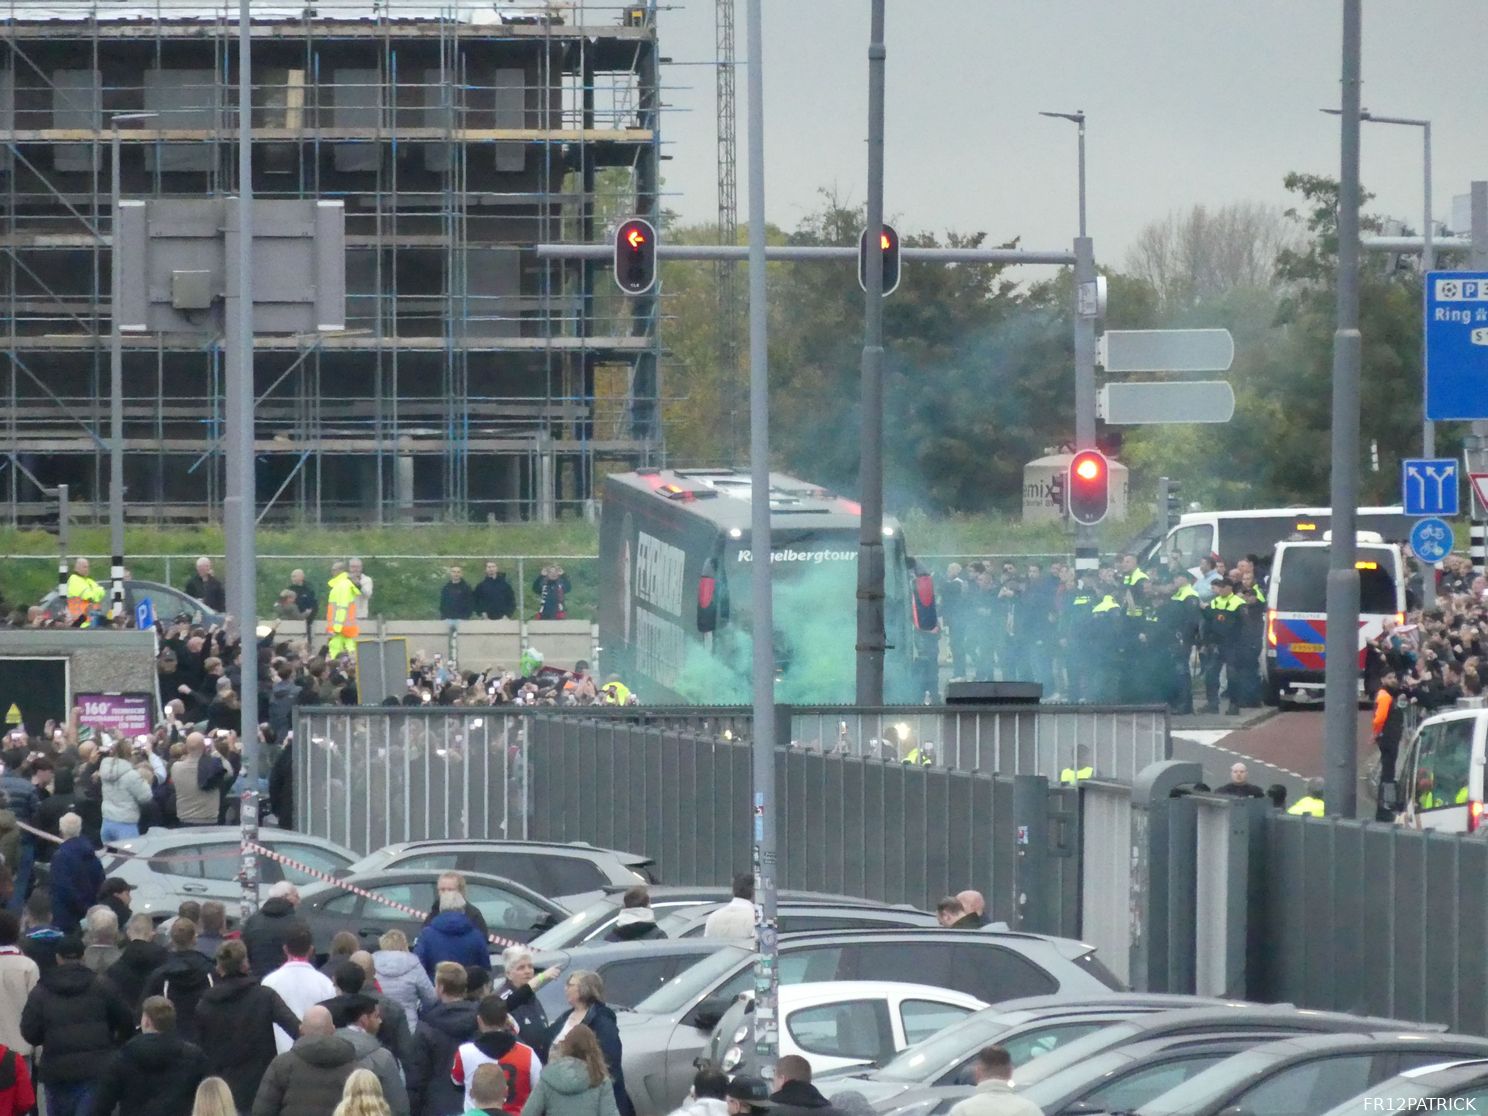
363	1096
586	1007
100	939
440	1032
518	991
361	1032
402	977
140	956
735	919
185	975
79	1020
354	983
236	1020
451	936
636	920
156	1073
17	1091
300	985
578	1083
495	1043
993	1071
487	1092
1239	785
75	877
308	1079
19	974
125	794
267	929
213	1098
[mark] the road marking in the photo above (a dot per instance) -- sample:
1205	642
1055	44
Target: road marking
1210	738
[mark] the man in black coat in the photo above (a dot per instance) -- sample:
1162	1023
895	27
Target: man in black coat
456	601
140	956
794	1095
80	1020
235	1021
437	1037
281	784
495	599
265	932
156	1073
182	979
204	586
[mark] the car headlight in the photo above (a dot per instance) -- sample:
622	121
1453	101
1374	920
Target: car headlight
742	1033
731	1059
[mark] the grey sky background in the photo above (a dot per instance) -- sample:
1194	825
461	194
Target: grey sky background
1189	101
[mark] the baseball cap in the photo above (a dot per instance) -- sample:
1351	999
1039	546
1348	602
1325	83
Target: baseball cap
753	1091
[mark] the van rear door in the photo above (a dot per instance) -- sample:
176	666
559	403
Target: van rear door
1297	621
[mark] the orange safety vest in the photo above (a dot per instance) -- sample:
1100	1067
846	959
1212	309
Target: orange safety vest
341	614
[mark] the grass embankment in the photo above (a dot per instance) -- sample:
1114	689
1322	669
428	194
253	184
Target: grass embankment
408	564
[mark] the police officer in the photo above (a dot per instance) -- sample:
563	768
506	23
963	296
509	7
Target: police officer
1221	642
1252	636
1107	633
1182	620
1076	634
1311	803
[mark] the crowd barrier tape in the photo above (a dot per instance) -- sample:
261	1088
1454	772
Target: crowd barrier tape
263	850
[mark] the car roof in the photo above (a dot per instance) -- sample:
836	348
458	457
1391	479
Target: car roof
1035	1007
705	894
378	877
791	906
568	848
938	933
1259	1014
600	951
159	838
866	989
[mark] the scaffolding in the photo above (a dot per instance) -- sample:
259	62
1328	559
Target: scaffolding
473	381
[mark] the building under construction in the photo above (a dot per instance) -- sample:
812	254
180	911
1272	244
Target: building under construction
473	379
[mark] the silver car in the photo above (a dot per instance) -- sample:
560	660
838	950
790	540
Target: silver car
666	1032
167	867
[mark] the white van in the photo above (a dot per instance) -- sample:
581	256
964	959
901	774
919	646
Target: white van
1235	534
1440	772
1297	611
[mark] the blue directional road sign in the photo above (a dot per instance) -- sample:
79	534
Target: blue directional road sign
1431	540
1428	485
1456	345
144	614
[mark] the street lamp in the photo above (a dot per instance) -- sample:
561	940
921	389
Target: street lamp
116	377
1077	118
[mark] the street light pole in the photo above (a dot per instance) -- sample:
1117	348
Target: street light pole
116	375
1078	118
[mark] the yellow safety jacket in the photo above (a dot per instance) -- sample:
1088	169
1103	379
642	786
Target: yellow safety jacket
1075	777
341	606
1132	578
1312	807
615	693
1185	593
83	595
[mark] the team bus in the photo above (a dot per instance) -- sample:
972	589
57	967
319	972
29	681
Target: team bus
674	613
1238	534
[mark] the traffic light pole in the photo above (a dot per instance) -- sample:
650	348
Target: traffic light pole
1087	310
871	636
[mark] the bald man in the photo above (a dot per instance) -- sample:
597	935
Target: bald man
975	907
310	1075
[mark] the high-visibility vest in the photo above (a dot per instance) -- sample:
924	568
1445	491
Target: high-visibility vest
83	593
1184	593
615	693
1230	603
1132	578
341	606
918	758
1312	807
1107	604
1074	777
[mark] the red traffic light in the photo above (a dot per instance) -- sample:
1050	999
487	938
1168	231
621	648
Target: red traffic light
1088	488
635	256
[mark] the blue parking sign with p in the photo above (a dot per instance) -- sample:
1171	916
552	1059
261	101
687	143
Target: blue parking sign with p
144	614
1428	485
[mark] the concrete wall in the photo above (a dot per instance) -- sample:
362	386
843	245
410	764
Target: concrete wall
476	644
98	661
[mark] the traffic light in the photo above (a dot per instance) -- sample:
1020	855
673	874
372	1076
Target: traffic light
635	256
1174	507
889	245
1089	487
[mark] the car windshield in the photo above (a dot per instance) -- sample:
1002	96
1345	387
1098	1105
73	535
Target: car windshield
924	1060
1202	1089
1073	1053
576	927
692	982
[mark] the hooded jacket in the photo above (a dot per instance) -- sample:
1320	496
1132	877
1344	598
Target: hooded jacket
235	1021
438	1035
18	976
264	934
564	1090
124	792
801	1098
634	924
75	879
137	960
79	1019
600	1018
307	1079
153	1075
451	936
495	599
519	1063
403	980
183	978
394	1034
372	1055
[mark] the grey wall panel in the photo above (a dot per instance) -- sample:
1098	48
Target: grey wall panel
511	112
77	103
357	102
185	100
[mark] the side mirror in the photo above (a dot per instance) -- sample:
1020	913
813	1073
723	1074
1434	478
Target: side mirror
707	1014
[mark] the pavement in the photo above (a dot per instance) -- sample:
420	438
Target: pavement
1277	747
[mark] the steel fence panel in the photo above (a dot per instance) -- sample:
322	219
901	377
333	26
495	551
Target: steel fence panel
1471	979
1439	974
1106	860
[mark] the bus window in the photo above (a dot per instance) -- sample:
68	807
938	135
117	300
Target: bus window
1441	771
1191	543
1302	583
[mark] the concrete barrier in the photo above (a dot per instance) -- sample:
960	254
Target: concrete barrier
94	662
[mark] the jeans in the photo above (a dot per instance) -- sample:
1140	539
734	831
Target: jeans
119	831
69	1098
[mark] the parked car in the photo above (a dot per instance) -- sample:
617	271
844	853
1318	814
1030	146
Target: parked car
556	870
1026	1028
166	867
839	1023
592	922
631	971
1306	1076
667	1031
510	910
1454	1086
168	603
689	922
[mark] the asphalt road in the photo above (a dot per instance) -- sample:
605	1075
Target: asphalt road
1285	748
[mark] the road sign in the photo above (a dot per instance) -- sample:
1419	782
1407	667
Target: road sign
1480	487
1166	350
144	614
1140	404
1428	485
1431	540
1456	345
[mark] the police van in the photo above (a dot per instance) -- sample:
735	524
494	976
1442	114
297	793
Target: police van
1440	772
1256	531
1297	610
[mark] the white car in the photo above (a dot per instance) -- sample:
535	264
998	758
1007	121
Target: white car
840	1023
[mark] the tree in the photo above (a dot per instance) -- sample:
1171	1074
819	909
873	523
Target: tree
1203	254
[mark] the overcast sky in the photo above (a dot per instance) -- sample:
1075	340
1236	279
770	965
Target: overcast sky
1189	101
